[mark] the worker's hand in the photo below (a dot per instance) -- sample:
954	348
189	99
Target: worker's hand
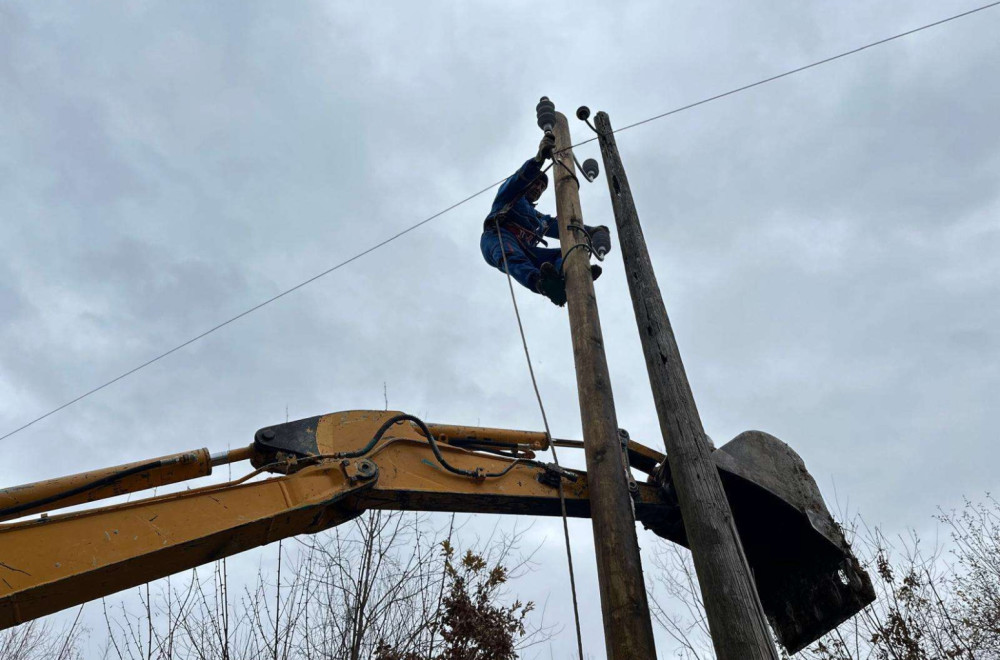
545	147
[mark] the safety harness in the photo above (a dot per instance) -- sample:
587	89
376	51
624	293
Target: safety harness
525	237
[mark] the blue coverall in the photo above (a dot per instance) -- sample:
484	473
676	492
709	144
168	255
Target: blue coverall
510	207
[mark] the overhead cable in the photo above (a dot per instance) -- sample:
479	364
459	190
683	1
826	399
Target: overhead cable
409	229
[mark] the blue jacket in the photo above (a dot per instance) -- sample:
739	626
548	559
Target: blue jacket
519	210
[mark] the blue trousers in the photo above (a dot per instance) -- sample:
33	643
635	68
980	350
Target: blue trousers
523	261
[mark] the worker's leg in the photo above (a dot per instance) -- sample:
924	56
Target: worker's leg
554	257
542	255
551	284
522	267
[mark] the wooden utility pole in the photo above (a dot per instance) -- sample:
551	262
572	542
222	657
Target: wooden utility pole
735	617
628	632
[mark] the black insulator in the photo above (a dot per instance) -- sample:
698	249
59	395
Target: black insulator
590	168
583	113
546	113
600	242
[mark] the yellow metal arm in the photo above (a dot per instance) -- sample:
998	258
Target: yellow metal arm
59	561
41	496
333	467
53	563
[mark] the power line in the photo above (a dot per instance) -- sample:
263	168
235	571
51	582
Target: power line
853	51
252	309
477	194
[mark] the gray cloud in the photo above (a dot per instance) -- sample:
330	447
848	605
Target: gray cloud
827	245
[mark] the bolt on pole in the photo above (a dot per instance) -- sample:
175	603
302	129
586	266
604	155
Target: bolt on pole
735	617
628	631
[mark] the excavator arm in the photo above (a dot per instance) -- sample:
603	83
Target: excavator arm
330	470
313	474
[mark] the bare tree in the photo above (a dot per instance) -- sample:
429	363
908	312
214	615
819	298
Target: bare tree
675	602
41	640
932	603
389	580
385	586
374	582
975	534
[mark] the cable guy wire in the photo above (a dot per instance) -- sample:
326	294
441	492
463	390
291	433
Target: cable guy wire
477	194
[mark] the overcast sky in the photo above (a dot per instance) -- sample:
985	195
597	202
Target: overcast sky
828	245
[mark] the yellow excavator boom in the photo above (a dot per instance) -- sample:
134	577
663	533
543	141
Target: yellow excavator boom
315	473
54	562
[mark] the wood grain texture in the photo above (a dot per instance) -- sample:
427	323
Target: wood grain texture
627	627
736	619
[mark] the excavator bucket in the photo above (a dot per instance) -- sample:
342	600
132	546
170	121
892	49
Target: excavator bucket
807	577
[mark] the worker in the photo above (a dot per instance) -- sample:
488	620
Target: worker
522	228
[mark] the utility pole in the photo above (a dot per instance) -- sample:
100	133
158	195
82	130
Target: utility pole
628	632
735	616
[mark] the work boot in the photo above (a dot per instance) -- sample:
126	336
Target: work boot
551	285
600	241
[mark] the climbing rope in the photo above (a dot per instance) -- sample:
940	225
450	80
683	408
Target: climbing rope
548	434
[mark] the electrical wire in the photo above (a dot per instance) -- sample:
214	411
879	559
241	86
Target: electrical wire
477	194
791	72
252	309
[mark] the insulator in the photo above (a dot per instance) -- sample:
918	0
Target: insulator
546	113
583	113
600	241
590	168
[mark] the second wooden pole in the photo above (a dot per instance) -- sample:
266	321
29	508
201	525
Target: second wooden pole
735	617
